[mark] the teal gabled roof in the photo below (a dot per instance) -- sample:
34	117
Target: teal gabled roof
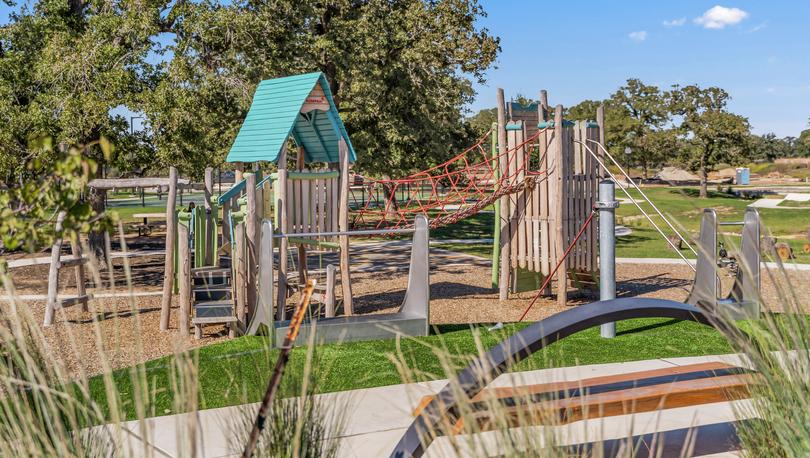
275	114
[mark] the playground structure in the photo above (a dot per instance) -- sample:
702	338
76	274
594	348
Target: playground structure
244	283
540	178
230	259
742	301
541	182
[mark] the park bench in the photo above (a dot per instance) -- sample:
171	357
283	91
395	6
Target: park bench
605	396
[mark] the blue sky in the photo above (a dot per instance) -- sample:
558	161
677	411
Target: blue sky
758	51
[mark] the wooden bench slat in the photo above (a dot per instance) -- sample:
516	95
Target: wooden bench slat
554	387
625	402
605	396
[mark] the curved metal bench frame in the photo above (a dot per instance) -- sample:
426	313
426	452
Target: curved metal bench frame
521	345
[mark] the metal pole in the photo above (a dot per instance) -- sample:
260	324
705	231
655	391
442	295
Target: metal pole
607	248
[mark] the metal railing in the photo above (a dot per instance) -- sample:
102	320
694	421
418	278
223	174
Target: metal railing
644	212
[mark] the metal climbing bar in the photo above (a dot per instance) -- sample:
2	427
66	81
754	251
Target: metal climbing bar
652	204
646	215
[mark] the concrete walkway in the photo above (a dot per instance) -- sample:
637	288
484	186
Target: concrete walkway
376	418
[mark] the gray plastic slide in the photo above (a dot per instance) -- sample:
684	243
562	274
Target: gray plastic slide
410	320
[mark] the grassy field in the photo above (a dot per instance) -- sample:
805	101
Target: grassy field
236	371
795	204
682	207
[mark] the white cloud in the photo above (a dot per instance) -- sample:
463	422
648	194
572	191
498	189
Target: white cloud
770	90
675	22
718	17
639	36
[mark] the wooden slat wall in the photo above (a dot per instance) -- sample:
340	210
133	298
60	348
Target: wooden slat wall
583	188
546	242
313	204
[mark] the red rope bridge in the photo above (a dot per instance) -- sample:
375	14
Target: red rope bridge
446	193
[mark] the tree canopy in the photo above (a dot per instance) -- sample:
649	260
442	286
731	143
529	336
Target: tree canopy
711	133
64	67
401	72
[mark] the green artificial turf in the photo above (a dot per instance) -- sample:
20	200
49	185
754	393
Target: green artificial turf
237	371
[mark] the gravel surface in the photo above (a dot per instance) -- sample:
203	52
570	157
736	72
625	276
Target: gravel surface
128	329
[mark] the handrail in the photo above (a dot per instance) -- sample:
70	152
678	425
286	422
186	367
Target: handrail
264	180
613	177
347	233
652	204
231	193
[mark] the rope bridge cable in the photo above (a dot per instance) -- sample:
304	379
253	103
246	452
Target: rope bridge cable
559	263
450	185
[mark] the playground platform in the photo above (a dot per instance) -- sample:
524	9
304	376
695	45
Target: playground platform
377	417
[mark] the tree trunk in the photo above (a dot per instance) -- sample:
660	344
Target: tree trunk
704	192
391	204
97	199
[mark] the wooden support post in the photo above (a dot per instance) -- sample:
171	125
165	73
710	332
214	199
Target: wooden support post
251	243
283	245
239	267
171	243
600	121
330	291
53	271
503	165
302	250
343	223
543	107
209	217
184	268
108	249
562	220
76	249
496	230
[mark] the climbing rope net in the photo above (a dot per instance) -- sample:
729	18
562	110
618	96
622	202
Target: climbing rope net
446	193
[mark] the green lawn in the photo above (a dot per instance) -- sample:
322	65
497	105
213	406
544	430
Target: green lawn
125	213
795	204
236	371
681	205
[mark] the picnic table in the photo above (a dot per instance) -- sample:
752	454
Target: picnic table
145	228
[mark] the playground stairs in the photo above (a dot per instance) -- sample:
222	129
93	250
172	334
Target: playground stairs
212	297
